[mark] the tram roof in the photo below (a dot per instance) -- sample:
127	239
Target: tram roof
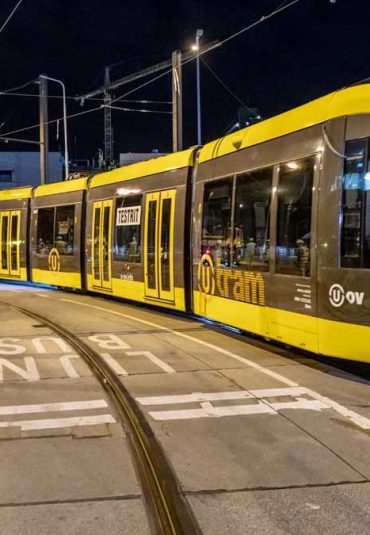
155	166
349	101
67	186
15	194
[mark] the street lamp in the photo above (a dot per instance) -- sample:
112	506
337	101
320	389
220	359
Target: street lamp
66	158
196	48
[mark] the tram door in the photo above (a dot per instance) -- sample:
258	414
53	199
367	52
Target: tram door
10	243
102	244
159	245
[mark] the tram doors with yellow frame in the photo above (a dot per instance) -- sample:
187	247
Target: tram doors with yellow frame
10	225
159	245
102	244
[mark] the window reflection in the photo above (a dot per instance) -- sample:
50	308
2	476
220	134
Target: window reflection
127	240
252	220
216	228
55	228
294	217
355	242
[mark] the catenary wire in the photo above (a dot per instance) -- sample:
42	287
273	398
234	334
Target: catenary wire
85	112
224	85
10	16
11	94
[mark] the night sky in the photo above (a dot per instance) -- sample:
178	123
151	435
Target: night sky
307	51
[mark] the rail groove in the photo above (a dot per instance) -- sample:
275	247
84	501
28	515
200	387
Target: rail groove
168	512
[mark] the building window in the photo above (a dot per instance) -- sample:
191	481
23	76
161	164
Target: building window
55	228
6	176
252	220
355	220
127	236
293	238
216	227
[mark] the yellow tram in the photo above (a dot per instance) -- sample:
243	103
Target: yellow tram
266	229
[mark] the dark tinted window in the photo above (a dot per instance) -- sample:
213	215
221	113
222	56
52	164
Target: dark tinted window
45	230
55	228
127	237
64	229
355	233
252	220
216	227
294	217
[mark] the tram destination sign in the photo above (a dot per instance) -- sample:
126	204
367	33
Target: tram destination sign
129	215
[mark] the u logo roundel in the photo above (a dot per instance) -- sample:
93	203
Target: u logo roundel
54	260
206	275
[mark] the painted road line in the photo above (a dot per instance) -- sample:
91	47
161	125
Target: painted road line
68	366
196	397
160	363
53	407
353	416
208	410
56	423
213	347
113	364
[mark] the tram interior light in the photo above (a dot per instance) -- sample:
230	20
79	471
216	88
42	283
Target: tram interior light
123	192
293	165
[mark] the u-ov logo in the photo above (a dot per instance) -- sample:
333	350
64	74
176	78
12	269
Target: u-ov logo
337	296
54	260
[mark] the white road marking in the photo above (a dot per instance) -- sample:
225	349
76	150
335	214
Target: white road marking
245	361
356	418
31	372
196	397
212	412
39	343
160	363
53	407
209	411
113	364
11	348
109	341
56	423
42	295
68	366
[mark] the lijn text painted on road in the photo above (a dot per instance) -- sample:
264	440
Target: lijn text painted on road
263	401
53	346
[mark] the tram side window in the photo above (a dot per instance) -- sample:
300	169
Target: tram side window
64	229
127	236
355	232
294	217
55	228
216	226
45	230
252	220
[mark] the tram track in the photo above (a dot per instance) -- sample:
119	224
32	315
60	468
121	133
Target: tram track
168	511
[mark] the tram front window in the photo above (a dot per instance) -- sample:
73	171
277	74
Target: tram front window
216	227
294	217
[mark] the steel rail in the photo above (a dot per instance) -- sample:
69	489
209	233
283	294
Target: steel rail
167	509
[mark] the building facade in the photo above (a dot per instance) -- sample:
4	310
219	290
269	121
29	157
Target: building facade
19	169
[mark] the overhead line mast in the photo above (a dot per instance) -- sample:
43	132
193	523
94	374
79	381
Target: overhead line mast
109	86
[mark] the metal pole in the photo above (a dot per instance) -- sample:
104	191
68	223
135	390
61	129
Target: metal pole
108	129
198	35
176	101
66	156
44	131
